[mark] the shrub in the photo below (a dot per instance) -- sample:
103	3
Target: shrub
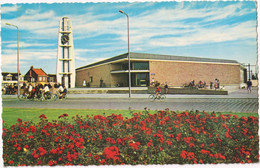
165	137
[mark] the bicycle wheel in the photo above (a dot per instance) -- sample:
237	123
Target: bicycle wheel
54	97
22	97
163	97
151	97
42	98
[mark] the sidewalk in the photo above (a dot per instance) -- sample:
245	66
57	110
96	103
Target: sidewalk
242	93
237	94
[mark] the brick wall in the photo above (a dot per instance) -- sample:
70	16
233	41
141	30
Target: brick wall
99	72
178	73
121	79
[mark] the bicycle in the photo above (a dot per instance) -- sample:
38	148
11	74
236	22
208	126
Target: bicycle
23	96
58	96
153	96
48	97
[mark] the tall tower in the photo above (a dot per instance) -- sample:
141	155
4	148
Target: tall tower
65	57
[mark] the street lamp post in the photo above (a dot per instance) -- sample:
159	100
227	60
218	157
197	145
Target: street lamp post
129	68
18	71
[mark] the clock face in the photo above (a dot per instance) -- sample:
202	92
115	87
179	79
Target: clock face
64	38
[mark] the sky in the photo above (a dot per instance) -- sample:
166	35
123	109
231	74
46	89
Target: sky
209	29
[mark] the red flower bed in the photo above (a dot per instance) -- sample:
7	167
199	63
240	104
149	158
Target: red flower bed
162	138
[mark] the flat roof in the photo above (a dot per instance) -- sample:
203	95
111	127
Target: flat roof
146	56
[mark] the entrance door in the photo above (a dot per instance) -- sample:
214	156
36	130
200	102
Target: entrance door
141	79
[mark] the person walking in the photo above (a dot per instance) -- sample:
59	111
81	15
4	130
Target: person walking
249	86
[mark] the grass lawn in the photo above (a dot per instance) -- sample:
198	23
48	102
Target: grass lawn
10	115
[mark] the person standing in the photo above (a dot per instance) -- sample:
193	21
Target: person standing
84	83
166	88
249	86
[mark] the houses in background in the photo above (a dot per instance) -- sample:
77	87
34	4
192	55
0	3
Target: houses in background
34	75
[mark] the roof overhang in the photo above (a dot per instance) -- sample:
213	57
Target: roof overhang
131	71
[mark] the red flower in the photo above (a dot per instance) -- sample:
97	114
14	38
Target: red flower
191	145
39	162
50	163
171	136
96	157
191	155
178	137
42	151
111	152
42	116
36	156
33	129
183	154
150	143
204	151
169	143
188	139
102	162
160	136
61	116
228	136
26	146
19	120
100	136
11	162
243	118
31	137
111	140
134	145
53	151
235	116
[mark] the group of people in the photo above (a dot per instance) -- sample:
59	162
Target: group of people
38	89
201	84
9	89
216	84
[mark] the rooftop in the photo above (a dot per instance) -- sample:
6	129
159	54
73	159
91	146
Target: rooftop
39	72
145	56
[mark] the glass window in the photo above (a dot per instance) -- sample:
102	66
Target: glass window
40	78
141	66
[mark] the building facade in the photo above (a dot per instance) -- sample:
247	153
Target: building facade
36	75
148	68
10	78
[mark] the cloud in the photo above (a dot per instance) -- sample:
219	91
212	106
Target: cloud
81	54
40	25
9	9
181	25
225	33
9	56
25	45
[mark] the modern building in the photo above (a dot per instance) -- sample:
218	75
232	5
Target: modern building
35	75
145	68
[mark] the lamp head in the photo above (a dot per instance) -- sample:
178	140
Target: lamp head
8	24
121	11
